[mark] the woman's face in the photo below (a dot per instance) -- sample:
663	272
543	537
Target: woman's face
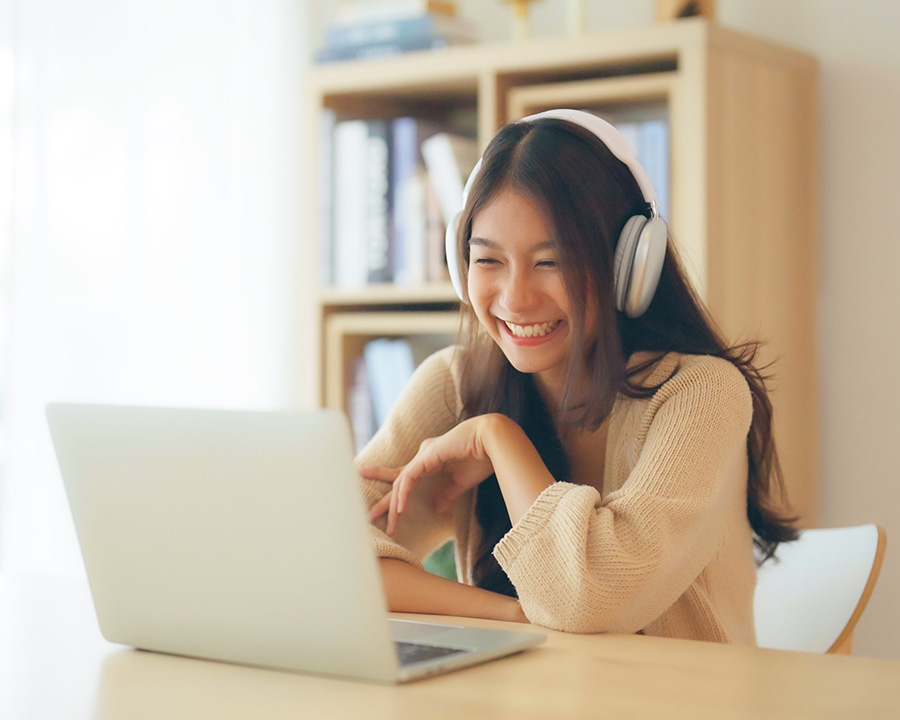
516	286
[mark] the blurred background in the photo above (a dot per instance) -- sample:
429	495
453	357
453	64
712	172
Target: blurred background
152	155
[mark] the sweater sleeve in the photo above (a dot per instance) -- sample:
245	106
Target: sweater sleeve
582	564
427	407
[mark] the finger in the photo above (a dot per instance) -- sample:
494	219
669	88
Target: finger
424	463
406	483
379	508
384	474
392	512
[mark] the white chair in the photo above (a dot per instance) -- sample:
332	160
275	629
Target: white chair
812	596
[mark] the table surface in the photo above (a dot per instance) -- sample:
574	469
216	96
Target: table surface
55	664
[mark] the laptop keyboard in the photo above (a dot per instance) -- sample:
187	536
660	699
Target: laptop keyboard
409	653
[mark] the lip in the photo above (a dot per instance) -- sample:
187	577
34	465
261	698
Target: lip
530	341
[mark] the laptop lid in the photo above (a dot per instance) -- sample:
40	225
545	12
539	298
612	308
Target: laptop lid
232	536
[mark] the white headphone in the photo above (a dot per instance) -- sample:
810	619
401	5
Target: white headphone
642	243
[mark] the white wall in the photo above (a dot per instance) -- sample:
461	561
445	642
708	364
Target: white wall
155	225
859	324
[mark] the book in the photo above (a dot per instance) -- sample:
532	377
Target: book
435	236
378	202
370	11
408	253
654	156
375	50
360	410
389	366
411	251
350	186
631	131
399	31
326	197
449	159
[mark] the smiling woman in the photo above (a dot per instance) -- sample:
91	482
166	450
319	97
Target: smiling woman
602	457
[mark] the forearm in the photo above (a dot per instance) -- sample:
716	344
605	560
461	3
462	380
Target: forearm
409	589
520	471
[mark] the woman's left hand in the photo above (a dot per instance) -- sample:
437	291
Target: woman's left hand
460	454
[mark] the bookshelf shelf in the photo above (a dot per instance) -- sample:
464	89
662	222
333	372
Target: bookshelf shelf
388	294
742	170
346	334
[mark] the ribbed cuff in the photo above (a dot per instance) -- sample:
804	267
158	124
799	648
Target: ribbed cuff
385	547
530	524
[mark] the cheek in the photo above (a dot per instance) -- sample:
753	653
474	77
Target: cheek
480	296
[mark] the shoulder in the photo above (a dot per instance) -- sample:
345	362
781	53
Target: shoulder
436	379
677	369
441	366
698	384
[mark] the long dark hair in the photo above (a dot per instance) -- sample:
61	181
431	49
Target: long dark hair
587	194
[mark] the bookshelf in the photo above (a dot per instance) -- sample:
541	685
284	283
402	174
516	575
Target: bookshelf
743	174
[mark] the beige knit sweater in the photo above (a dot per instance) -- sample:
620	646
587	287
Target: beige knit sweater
665	549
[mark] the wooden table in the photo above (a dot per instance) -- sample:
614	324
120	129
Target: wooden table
55	664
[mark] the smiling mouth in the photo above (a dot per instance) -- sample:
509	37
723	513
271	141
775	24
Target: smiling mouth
535	330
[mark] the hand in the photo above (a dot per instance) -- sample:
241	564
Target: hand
460	454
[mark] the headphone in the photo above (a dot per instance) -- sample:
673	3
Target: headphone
642	243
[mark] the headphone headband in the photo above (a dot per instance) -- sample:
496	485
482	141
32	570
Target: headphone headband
608	134
611	137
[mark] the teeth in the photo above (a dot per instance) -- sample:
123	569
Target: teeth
536	330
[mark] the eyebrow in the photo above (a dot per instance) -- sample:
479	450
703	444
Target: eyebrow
485	242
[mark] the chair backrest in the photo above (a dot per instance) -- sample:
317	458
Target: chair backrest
811	597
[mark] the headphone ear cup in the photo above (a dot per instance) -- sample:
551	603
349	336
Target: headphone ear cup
452	260
628	240
643	246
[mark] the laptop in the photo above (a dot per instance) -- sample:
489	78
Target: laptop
242	537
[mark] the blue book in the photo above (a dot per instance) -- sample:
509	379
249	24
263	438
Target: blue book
408	199
653	154
389	365
404	158
398	31
329	54
359	406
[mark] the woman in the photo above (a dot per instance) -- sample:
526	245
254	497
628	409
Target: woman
604	461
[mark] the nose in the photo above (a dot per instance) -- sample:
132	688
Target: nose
520	293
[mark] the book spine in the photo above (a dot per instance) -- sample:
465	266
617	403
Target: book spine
397	31
389	365
449	159
404	150
435	234
654	156
326	197
415	240
378	202
350	269
360	409
631	131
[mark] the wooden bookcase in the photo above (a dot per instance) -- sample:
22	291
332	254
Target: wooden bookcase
744	185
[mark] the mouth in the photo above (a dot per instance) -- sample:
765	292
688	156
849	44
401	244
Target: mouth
532	334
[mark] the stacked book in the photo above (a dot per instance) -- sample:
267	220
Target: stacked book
379	377
377	28
388	188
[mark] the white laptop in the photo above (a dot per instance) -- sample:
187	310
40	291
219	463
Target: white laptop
242	536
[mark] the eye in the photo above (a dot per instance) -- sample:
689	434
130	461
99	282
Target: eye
484	261
547	264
